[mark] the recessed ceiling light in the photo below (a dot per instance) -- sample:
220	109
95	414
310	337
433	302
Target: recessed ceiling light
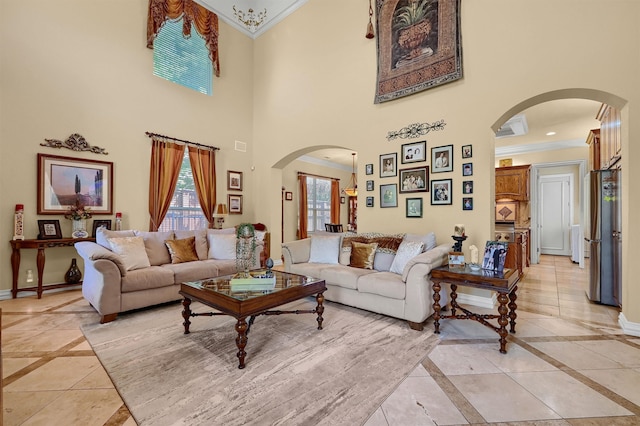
551	133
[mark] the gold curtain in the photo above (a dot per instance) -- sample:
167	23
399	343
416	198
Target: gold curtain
302	210
205	21
166	159
335	201
203	165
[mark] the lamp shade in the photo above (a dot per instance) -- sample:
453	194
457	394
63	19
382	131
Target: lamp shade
220	210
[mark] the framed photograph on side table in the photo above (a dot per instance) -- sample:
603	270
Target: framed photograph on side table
49	229
234	180
235	203
99	224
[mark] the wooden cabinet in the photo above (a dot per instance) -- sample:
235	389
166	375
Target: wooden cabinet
513	182
593	140
610	141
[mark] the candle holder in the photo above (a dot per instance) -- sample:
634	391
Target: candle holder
457	246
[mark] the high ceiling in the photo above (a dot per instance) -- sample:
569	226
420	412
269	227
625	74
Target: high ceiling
242	19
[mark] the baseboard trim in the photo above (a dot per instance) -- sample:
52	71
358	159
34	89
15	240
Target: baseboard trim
479	301
630	328
6	294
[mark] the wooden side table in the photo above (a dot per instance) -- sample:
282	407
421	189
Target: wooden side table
505	283
40	245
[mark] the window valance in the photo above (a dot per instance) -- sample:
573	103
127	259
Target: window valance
205	22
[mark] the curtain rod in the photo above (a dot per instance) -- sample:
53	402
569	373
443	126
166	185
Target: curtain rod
318	176
215	148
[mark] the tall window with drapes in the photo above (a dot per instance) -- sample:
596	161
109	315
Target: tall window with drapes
319	203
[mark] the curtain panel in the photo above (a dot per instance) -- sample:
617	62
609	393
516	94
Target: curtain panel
205	22
203	165
302	209
335	201
166	159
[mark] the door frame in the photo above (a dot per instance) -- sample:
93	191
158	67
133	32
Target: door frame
535	201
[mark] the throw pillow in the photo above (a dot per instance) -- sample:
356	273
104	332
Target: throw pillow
325	248
429	240
201	241
103	235
362	255
406	251
222	246
154	244
183	250
132	252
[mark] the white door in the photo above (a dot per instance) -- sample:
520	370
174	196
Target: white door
555	214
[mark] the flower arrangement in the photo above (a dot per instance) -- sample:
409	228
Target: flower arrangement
78	212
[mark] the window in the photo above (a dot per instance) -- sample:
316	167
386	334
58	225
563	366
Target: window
185	212
183	61
318	203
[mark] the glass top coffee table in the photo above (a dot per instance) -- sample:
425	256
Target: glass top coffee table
249	299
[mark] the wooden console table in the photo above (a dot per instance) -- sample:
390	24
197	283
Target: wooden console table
505	283
40	245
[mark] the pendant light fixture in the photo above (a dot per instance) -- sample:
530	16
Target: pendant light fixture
370	24
352	188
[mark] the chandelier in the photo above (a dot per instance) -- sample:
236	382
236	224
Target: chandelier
352	188
249	19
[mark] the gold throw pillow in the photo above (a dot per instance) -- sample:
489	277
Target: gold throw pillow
183	250
362	255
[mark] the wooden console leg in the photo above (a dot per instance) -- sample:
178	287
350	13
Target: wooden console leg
241	340
186	313
512	308
108	318
503	320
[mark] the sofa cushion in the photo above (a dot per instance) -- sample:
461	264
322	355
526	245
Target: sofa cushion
325	248
192	271
343	276
103	235
154	245
308	269
362	255
429	240
183	250
200	243
222	246
406	251
386	284
132	252
147	278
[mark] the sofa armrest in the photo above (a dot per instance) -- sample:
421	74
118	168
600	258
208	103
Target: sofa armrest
433	258
297	251
90	252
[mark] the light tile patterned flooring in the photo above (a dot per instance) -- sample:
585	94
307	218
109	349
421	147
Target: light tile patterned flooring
568	364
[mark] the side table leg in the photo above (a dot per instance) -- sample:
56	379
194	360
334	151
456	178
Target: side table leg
186	313
241	340
503	321
320	309
436	306
40	259
15	270
512	308
454	297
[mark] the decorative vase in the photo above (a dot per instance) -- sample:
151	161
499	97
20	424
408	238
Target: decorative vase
412	37
73	275
79	228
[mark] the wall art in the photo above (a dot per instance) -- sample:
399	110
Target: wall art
234	180
389	195
441	192
414	152
442	159
414	180
414	207
389	165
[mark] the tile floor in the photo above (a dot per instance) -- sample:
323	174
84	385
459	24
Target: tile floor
568	364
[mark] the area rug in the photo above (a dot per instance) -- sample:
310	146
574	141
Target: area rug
294	375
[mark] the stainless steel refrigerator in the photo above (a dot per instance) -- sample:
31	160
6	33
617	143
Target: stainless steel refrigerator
604	236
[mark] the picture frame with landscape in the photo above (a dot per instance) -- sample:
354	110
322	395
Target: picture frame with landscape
234	202
234	180
414	152
66	181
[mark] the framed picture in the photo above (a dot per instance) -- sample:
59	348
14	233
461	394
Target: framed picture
369	201
234	180
467	203
506	162
467	151
467	169
495	253
414	207
342	200
369	185
288	196
99	224
506	211
456	260
235	203
49	229
66	181
368	169
467	187
389	165
414	152
441	192
414	180
389	195
442	159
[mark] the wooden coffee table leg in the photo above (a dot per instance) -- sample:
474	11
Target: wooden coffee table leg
186	313
320	309
503	320
512	308
241	340
436	306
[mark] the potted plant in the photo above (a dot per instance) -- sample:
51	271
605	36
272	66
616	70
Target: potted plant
413	23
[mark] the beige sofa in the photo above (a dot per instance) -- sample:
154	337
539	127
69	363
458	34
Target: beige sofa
125	270
400	288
